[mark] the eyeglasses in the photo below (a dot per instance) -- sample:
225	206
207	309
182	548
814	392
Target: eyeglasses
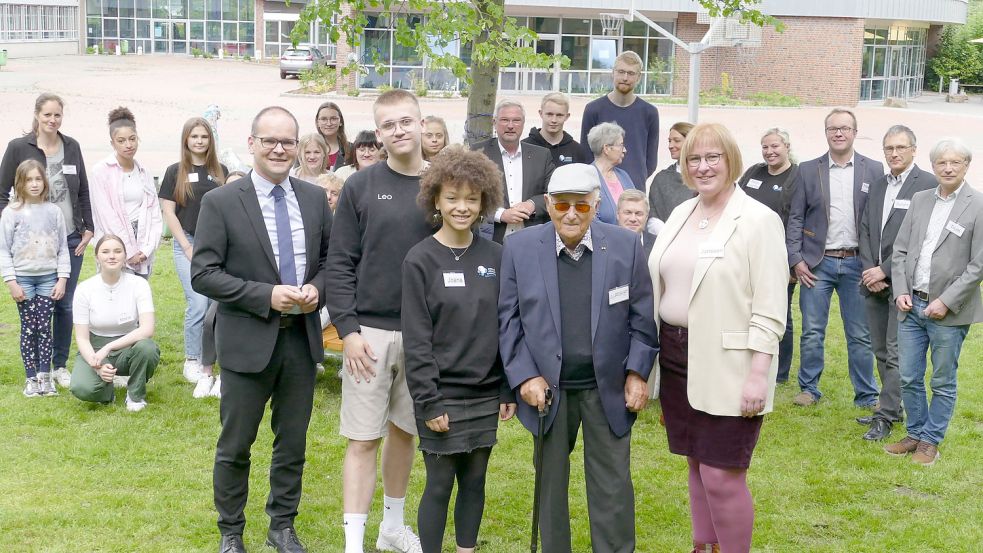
289	144
618	146
331	120
712	160
625	73
580	207
406	123
899	149
841	130
943	164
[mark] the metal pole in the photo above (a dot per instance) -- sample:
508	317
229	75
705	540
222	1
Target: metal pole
695	49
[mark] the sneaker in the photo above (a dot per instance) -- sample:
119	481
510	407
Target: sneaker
46	385
903	447
135	406
216	390
319	367
62	377
403	539
121	381
204	386
192	370
804	399
32	388
926	454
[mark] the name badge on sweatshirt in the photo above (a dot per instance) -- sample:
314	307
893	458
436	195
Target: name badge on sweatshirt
618	295
69	170
902	204
864	187
192	177
453	279
711	251
754	183
955	228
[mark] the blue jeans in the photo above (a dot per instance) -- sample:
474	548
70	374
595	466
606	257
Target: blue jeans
40	285
787	343
195	304
843	276
62	323
916	333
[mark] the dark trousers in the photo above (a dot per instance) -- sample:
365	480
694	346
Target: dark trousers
62	322
288	383
607	470
787	344
882	319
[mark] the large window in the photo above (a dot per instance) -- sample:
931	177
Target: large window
277	32
19	22
893	62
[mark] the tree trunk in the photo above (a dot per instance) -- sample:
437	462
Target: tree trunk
484	87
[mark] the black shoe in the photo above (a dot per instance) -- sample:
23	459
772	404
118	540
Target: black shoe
879	429
231	543
285	541
866	421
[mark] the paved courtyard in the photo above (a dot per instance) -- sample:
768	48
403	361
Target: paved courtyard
164	91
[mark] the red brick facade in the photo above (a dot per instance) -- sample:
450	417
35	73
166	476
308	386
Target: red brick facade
815	59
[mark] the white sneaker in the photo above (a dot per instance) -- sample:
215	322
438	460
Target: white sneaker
204	386
62	377
319	367
135	406
121	381
32	388
403	539
192	370
216	390
46	384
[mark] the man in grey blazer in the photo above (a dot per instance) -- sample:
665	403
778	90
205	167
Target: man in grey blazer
823	245
526	170
890	197
936	271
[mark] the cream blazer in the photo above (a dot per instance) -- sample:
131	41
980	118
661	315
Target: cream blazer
738	301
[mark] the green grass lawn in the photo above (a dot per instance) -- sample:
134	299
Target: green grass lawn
83	478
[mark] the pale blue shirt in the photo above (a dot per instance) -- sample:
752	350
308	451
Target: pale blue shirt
264	193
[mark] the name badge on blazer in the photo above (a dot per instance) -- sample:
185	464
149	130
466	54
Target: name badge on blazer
864	187
754	183
453	279
902	204
711	251
955	228
618	295
192	177
69	170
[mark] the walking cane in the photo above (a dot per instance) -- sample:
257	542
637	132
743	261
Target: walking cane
539	471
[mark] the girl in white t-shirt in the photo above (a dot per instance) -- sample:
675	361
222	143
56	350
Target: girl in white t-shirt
35	265
114	328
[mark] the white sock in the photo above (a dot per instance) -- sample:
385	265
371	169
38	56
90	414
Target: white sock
392	513
354	532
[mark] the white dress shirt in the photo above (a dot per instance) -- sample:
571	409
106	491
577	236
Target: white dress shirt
512	168
891	193
940	216
842	232
264	193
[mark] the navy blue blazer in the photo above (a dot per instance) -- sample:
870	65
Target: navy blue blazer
808	218
624	333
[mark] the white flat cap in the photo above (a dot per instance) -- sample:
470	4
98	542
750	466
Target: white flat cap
574	178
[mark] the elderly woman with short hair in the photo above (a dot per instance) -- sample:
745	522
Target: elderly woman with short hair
607	142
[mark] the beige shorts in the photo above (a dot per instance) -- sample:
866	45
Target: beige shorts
368	407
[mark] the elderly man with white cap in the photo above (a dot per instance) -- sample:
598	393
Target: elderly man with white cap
591	342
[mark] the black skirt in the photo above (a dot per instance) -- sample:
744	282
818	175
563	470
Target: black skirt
718	441
473	425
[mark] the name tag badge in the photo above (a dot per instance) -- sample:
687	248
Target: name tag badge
618	295
192	177
754	183
902	204
69	170
955	228
864	187
453	279
125	318
711	251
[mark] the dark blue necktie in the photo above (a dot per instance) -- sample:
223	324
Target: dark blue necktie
284	237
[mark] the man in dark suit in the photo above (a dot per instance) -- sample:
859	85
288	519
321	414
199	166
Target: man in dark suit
633	212
526	169
823	245
889	199
591	341
260	252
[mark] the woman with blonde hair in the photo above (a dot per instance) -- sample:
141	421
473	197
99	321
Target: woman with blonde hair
312	158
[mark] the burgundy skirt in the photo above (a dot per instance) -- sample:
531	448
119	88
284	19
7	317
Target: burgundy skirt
722	442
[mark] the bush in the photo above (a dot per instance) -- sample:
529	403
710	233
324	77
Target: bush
319	79
208	55
92	50
196	52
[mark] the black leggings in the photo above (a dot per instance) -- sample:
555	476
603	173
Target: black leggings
469	469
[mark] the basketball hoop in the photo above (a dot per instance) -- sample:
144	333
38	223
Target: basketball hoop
612	23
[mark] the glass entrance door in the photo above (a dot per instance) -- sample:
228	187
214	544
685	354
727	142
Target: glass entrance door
544	79
179	37
162	37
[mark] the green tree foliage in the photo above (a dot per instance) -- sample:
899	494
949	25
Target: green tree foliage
957	57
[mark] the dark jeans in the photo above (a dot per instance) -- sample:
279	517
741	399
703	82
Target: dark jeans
62	322
786	346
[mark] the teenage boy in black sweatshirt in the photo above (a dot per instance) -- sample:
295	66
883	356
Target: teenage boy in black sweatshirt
554	111
377	221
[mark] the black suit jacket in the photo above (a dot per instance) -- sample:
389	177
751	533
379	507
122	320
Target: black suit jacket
537	167
233	264
876	245
648	240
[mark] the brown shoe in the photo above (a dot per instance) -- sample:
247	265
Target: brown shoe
804	399
904	447
706	547
926	454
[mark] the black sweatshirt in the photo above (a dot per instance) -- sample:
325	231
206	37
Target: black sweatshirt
450	327
376	223
187	214
566	151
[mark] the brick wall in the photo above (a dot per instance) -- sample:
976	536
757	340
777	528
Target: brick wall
342	52
816	59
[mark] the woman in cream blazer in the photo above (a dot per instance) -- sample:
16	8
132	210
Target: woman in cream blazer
719	273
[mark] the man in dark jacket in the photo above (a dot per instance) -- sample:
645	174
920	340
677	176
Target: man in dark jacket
554	111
